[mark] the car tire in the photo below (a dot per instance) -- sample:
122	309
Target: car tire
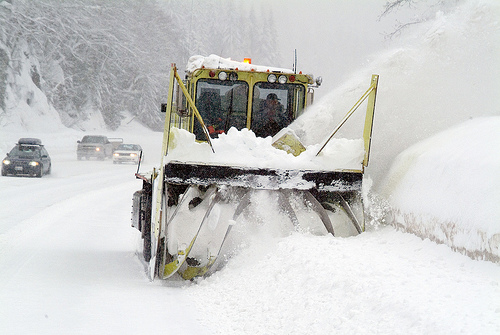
39	174
4	173
50	169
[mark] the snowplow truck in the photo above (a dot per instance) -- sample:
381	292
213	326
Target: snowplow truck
189	204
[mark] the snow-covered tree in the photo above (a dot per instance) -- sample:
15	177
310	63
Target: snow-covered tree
113	57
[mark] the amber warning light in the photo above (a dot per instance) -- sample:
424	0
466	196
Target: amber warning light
247	60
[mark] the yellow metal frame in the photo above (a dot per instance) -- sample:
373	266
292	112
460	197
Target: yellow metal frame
371	94
370	109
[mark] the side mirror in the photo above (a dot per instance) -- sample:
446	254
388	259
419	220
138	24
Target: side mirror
163	108
8	154
310	97
78	141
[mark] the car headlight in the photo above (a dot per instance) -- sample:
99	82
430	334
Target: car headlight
116	154
33	163
133	155
97	149
6	162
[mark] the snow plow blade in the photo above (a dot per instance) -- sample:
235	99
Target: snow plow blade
261	178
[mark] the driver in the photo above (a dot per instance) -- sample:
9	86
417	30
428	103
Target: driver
271	118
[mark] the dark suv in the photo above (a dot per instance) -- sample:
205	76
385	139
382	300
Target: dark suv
29	157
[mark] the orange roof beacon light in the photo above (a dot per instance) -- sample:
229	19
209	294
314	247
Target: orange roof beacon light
247	60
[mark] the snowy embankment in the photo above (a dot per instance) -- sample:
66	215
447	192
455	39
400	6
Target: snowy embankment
443	73
447	188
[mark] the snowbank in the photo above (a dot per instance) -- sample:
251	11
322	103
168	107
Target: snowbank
447	188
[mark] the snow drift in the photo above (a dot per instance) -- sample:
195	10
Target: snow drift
446	188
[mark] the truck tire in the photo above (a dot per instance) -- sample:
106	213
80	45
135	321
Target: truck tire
146	238
146	224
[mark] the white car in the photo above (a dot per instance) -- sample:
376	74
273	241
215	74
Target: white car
127	153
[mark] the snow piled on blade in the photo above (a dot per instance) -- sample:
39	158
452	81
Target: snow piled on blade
217	62
243	148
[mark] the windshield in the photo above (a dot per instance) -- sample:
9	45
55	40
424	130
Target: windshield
275	106
93	139
222	105
25	151
133	147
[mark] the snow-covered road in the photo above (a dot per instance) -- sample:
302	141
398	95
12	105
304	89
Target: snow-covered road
68	260
69	264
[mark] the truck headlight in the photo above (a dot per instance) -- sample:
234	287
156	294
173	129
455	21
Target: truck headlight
6	162
116	154
271	78
133	155
33	163
222	75
97	149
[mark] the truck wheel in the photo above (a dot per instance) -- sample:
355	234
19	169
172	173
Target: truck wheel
147	241
145	221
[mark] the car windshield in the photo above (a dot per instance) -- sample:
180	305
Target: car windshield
133	147
92	139
25	151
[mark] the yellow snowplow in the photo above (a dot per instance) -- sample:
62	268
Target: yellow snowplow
226	140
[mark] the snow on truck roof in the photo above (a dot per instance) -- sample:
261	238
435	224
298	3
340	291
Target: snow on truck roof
217	62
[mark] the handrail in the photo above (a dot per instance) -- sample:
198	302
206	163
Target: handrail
193	106
370	92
